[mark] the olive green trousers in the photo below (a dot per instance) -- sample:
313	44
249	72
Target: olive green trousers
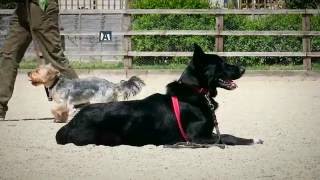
29	23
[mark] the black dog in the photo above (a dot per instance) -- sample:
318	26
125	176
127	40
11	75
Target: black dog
153	120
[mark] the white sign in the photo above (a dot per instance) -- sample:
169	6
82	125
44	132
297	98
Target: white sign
105	36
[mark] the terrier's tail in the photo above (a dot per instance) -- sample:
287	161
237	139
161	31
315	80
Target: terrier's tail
130	87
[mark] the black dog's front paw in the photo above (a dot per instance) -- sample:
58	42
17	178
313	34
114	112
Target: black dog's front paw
258	141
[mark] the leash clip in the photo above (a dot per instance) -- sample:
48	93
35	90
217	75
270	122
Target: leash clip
208	98
215	121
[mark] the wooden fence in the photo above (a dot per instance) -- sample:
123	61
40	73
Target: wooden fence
92	4
218	32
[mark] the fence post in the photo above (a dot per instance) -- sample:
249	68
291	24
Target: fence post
126	26
306	44
63	42
219	29
80	37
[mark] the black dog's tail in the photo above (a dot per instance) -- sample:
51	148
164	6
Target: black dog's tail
130	87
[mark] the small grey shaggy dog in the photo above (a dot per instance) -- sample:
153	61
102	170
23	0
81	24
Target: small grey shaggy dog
68	93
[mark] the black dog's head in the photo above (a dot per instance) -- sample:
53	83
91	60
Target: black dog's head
210	71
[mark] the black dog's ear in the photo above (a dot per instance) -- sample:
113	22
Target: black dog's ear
197	50
197	54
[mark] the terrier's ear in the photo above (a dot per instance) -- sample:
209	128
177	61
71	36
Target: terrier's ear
56	71
53	69
49	65
41	66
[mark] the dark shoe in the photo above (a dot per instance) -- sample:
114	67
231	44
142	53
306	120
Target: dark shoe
2	116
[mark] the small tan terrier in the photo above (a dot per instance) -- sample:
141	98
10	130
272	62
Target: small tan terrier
72	93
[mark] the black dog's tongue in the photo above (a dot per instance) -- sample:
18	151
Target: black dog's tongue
227	84
232	85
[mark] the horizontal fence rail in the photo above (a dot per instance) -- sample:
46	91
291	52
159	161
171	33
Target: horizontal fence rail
202	33
219	33
195	11
183	11
188	54
92	4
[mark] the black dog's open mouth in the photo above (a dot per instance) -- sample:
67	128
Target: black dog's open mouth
227	84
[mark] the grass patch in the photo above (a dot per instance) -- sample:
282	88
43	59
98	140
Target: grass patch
316	67
28	64
276	67
97	65
169	66
78	65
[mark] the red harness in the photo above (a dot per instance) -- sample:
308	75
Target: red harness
176	109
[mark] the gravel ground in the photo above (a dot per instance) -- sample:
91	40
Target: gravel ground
281	110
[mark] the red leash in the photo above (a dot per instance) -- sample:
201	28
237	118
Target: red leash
176	109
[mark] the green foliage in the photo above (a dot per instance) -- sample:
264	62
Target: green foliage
170	22
267	44
96	65
315	23
33	63
169	4
315	44
173	22
315	26
7	4
263	43
262	22
231	43
302	4
207	22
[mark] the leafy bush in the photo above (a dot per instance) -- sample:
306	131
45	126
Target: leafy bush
263	43
207	22
7	4
170	4
302	4
170	22
262	22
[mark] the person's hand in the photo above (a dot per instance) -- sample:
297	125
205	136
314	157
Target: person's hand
43	4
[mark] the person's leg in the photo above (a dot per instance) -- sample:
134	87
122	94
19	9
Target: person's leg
13	50
45	30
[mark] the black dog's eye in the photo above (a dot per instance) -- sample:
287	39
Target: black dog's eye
221	65
210	70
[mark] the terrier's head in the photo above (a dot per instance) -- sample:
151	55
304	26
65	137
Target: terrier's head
44	74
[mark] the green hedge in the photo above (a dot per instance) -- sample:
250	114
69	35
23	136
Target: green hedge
7	4
169	4
263	43
172	22
207	22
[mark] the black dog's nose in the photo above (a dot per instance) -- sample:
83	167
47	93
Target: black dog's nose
242	69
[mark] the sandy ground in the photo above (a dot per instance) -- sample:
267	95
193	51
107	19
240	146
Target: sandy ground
281	110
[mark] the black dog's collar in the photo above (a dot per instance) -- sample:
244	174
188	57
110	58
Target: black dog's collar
202	91
199	90
54	83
